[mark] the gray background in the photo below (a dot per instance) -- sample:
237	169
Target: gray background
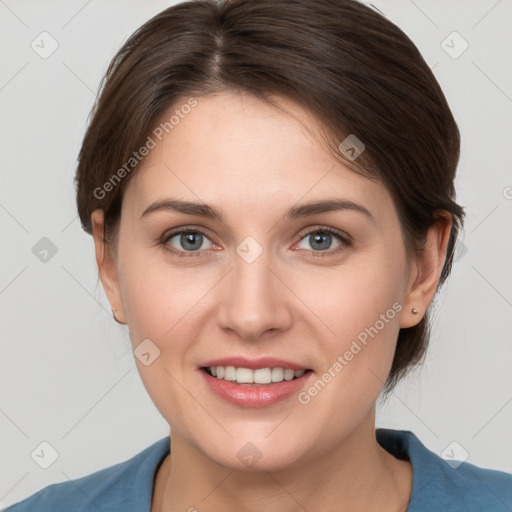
67	374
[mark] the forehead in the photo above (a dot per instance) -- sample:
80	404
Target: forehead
236	150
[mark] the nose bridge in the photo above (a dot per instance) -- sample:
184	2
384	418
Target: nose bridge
253	302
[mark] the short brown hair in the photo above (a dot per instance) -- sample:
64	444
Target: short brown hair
356	71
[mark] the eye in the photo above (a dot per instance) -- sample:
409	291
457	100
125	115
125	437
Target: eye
321	239
190	242
187	241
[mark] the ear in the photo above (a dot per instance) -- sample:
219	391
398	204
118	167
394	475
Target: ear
426	270
107	266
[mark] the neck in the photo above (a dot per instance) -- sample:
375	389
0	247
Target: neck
357	474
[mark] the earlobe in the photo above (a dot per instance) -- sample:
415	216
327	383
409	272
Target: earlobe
98	236
107	267
426	272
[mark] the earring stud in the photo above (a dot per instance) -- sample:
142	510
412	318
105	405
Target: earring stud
414	311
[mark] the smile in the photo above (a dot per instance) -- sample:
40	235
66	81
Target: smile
239	385
259	376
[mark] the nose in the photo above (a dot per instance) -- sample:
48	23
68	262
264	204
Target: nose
255	299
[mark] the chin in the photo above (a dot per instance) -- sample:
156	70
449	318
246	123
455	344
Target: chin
256	452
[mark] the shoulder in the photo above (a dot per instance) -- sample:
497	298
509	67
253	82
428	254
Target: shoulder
126	486
439	484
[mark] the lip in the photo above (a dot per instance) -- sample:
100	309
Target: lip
254	364
254	395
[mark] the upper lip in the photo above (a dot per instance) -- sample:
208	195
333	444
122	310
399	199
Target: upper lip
254	364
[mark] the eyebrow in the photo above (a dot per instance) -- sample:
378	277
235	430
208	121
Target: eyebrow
298	211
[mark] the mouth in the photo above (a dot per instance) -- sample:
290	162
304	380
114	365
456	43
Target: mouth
254	377
254	384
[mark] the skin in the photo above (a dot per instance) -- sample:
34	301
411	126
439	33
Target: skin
295	301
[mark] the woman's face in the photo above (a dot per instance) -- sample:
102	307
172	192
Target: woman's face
320	290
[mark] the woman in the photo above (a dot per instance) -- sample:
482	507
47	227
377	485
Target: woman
269	186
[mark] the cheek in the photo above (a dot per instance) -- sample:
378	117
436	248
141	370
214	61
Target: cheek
160	299
161	305
362	309
354	296
359	306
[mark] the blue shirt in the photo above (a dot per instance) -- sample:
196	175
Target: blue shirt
128	486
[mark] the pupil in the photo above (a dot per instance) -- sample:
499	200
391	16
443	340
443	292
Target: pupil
188	240
318	239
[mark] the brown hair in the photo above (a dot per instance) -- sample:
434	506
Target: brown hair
357	72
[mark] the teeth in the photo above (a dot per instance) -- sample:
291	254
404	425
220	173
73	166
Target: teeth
260	376
289	374
230	373
277	374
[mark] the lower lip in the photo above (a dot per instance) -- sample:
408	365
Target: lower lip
254	395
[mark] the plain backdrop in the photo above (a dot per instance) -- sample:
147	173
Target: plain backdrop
67	373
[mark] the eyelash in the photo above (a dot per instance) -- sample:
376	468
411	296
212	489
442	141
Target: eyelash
344	239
